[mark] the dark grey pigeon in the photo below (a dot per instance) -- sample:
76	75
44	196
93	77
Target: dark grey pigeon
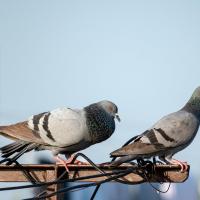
168	136
63	131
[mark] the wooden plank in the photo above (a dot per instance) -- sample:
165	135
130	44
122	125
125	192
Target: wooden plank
46	173
163	173
14	174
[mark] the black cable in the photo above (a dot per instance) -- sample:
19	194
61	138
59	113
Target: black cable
61	181
58	179
145	166
25	172
73	160
97	168
151	171
95	192
86	158
113	159
128	171
140	163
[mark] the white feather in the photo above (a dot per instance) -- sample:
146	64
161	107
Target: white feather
67	127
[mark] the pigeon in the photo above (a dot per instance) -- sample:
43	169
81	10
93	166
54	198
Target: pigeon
62	131
165	138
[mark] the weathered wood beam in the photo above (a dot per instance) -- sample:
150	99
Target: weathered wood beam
46	173
163	173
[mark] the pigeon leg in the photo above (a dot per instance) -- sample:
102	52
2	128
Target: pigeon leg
65	163
163	159
78	162
61	161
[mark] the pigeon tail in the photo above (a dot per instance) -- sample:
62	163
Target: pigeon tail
17	149
123	159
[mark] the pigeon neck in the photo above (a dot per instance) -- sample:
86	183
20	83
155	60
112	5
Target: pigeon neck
100	124
193	107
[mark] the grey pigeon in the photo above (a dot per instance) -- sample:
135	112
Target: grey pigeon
168	136
63	131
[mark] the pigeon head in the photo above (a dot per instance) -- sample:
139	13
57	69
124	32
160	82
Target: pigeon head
196	95
110	108
193	105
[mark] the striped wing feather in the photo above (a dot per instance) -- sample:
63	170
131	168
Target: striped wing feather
137	148
20	131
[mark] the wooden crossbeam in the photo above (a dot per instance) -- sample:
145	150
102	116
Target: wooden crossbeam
44	173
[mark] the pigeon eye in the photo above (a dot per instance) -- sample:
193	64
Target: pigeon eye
111	109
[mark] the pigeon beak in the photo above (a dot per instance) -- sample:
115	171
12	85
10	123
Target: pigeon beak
117	117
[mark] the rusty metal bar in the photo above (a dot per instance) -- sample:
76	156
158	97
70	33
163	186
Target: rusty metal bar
44	173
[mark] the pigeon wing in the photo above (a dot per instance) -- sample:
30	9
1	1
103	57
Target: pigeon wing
172	131
139	147
21	131
176	129
60	127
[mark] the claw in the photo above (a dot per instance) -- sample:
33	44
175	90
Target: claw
67	162
60	161
183	165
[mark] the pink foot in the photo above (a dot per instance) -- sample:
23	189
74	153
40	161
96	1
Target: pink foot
183	165
67	162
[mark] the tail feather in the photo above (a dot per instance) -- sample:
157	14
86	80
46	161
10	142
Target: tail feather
10	147
17	149
123	159
25	149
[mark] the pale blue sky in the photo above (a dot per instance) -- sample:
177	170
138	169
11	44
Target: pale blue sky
142	55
